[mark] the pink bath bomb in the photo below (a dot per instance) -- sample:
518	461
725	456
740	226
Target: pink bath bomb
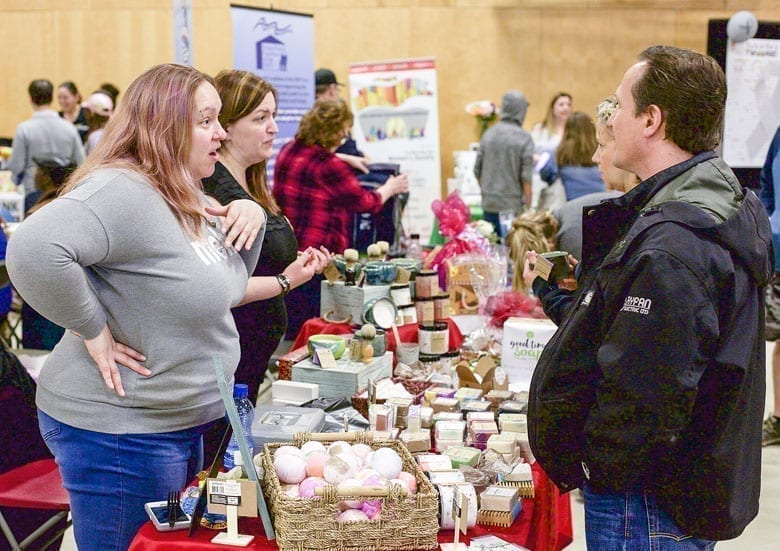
372	508
315	463
290	469
352	515
306	488
410	481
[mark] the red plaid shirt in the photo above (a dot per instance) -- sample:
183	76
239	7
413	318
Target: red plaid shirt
318	192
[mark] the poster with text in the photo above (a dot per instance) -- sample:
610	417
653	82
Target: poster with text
396	110
753	103
182	32
279	47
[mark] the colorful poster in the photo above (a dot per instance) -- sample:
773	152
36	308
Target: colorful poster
397	121
752	112
279	47
182	32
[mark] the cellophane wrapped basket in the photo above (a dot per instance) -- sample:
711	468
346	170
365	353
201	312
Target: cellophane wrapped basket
406	522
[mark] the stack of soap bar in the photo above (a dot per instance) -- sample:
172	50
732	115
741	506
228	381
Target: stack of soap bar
446	416
463	455
480	431
438	392
480	416
381	417
496	397
449	433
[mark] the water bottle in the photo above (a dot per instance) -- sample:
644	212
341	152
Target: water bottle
413	248
246	413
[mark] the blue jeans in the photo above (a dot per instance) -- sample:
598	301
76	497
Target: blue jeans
633	522
109	477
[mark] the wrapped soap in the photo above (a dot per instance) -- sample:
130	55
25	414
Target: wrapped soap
512	406
426	417
463	455
446	477
433	462
450	430
476	406
465	394
520	473
496	397
446	416
444	404
416	442
438	392
503	443
498	498
480	416
513	422
413	421
480	431
381	417
401	410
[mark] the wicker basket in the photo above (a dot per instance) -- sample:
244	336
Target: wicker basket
415	388
406	522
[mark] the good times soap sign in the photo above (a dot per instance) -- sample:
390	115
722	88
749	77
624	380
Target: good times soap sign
522	344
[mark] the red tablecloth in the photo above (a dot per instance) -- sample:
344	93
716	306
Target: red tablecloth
544	525
408	332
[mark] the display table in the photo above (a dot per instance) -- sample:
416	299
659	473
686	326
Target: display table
544	525
408	332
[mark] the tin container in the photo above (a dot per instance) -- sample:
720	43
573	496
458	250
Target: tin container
426	284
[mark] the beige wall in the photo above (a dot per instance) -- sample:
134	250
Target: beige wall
482	47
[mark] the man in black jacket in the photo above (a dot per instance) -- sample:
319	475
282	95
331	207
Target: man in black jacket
650	396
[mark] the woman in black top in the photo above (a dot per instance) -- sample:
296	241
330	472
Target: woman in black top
248	111
70	102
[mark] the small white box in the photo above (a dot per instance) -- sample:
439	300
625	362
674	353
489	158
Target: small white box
522	344
294	393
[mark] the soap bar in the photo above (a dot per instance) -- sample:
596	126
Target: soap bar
416	442
450	430
446	416
463	455
520	473
381	417
480	416
466	394
444	444
444	404
472	406
498	498
503	443
514	422
480	431
434	462
446	477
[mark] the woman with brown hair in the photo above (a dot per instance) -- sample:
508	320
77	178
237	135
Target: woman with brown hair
248	115
574	163
141	272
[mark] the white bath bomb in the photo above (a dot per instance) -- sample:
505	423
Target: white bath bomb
365	473
289	450
312	445
387	462
361	450
336	470
339	446
354	462
290	469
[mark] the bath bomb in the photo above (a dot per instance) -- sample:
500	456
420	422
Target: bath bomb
290	490
352	515
387	462
306	488
336	470
361	450
290	469
365	473
350	503
311	446
339	446
410	481
289	450
315	463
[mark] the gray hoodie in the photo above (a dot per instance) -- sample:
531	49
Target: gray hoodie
505	158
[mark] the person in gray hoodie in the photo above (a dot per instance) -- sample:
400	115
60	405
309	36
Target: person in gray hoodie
504	164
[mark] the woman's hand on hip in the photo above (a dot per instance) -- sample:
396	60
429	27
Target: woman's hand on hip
108	354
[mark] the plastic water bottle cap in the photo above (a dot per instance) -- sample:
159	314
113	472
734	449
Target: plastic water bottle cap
240	390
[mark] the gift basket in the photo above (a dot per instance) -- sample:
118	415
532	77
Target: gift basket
395	516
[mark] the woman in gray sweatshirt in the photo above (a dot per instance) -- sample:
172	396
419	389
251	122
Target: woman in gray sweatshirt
142	272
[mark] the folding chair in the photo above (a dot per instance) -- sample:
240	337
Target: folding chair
36	485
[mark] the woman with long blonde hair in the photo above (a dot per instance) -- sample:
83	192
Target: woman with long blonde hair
141	272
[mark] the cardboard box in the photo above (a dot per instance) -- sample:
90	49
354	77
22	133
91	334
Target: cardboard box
481	377
339	302
522	344
248	506
346	378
